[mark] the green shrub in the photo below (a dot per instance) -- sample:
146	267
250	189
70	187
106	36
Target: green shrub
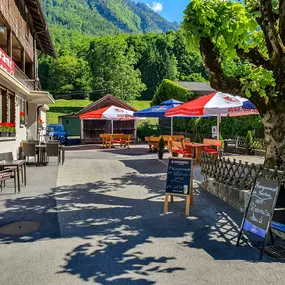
171	90
147	130
161	144
248	139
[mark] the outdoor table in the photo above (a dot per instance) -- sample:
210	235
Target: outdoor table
198	149
17	164
42	150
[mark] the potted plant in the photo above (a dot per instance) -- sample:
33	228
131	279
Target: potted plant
22	118
4	130
160	147
40	123
248	142
12	129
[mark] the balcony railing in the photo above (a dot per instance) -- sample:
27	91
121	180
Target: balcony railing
25	80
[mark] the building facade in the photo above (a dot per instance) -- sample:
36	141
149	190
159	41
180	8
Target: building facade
24	36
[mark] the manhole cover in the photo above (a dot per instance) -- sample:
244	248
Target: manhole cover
20	228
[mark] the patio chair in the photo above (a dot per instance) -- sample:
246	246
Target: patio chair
176	148
6	175
8	156
214	146
37	142
30	151
53	151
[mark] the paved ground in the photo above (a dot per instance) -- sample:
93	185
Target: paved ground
102	222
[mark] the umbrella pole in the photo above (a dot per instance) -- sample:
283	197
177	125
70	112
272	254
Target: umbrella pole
218	126
112	127
172	126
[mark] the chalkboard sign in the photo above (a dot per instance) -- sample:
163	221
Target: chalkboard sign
179	176
259	212
261	206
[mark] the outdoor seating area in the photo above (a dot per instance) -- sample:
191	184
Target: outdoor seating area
36	153
109	140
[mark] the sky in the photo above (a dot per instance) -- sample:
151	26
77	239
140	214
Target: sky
172	10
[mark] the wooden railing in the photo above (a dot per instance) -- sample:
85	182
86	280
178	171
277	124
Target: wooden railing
12	15
238	174
25	80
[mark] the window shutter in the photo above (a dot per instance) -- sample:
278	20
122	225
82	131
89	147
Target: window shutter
4	106
12	108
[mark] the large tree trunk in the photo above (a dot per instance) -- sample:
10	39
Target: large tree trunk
274	126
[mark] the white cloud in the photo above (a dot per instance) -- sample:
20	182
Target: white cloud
156	7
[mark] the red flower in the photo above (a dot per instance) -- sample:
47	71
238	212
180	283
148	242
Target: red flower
22	114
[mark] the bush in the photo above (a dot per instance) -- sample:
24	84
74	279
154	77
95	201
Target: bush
248	139
171	90
161	144
147	130
230	127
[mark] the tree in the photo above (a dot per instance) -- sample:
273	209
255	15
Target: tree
112	66
157	63
69	73
188	63
250	36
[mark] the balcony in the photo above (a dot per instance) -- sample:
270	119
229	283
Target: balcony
25	80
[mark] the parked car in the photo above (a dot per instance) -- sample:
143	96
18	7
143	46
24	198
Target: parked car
57	132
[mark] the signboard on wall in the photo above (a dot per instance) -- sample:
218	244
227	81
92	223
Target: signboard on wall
6	63
214	132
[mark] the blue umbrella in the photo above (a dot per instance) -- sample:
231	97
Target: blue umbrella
159	111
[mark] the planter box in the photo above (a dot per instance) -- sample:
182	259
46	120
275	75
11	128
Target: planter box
4	134
13	134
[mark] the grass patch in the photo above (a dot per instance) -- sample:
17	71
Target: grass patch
65	107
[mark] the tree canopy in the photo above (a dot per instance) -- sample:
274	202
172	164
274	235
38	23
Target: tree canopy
122	64
242	45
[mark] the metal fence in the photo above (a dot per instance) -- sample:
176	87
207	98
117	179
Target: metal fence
236	173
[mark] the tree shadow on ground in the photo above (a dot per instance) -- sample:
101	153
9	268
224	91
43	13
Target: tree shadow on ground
133	151
121	236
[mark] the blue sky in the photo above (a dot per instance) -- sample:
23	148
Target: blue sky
172	10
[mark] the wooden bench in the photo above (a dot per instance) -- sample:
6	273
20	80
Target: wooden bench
153	141
214	146
121	139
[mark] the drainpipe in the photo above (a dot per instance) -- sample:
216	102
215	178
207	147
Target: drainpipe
38	114
35	53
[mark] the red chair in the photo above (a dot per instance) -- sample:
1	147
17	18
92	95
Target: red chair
214	146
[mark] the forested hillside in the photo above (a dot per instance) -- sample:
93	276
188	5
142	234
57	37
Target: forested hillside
128	66
101	17
113	46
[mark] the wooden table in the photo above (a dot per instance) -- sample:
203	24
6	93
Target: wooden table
42	150
199	147
17	164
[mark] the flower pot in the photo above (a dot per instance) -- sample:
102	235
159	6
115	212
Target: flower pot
160	154
4	134
175	154
22	122
12	134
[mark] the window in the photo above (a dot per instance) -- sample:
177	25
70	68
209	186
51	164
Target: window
7	106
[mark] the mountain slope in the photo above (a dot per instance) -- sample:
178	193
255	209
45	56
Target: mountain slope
105	16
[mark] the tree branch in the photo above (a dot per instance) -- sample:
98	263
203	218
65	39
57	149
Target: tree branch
282	21
220	81
267	23
255	57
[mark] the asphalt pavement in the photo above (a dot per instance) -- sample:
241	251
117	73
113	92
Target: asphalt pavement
102	222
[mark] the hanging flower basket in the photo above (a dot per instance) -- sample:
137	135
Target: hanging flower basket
22	119
40	124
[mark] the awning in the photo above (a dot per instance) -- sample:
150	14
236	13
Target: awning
41	97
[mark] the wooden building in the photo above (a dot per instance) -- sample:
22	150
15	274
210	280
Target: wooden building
91	129
23	36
